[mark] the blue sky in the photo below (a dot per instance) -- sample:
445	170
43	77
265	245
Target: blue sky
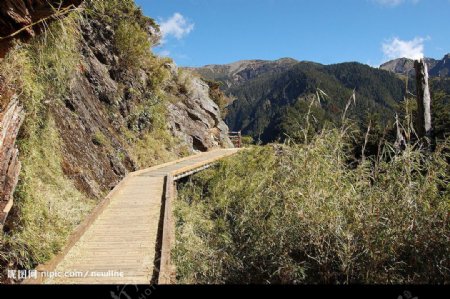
200	32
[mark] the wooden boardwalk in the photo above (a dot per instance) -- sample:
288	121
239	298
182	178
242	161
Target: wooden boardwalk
119	243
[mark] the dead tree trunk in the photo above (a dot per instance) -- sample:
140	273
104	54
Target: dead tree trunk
423	100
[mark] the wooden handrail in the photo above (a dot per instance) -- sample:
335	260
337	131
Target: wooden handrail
166	274
236	138
167	270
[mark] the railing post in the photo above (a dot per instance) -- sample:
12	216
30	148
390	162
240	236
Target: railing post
166	268
239	139
236	138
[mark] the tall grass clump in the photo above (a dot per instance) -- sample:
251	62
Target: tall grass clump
134	33
300	213
133	44
43	70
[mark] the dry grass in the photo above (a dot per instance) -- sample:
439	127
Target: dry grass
300	214
47	204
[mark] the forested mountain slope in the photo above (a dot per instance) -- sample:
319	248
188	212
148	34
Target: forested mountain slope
265	104
271	105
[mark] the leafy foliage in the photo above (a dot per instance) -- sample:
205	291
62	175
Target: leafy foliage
133	44
115	11
440	107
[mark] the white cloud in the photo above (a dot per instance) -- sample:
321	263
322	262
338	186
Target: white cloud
164	53
397	48
177	26
393	3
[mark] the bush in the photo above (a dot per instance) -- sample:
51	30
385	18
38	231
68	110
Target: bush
300	214
133	45
247	141
152	143
125	10
218	96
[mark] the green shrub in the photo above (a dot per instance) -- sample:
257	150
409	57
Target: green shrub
110	11
218	96
184	82
155	144
133	45
247	141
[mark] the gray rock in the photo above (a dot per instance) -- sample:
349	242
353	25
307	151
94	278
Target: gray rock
197	120
10	122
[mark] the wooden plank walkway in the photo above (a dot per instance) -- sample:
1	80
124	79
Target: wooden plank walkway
119	244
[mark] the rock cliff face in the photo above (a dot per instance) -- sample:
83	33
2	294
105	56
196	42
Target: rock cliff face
93	117
98	106
442	68
197	120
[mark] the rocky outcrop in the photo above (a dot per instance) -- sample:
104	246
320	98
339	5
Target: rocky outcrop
197	120
95	153
94	116
16	15
10	121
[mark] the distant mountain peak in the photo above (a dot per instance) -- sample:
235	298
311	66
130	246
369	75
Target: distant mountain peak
241	71
286	59
405	66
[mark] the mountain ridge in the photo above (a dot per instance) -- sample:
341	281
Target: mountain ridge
268	95
262	100
241	71
405	66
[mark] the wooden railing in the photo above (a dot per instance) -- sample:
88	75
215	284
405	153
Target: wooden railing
167	270
236	138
